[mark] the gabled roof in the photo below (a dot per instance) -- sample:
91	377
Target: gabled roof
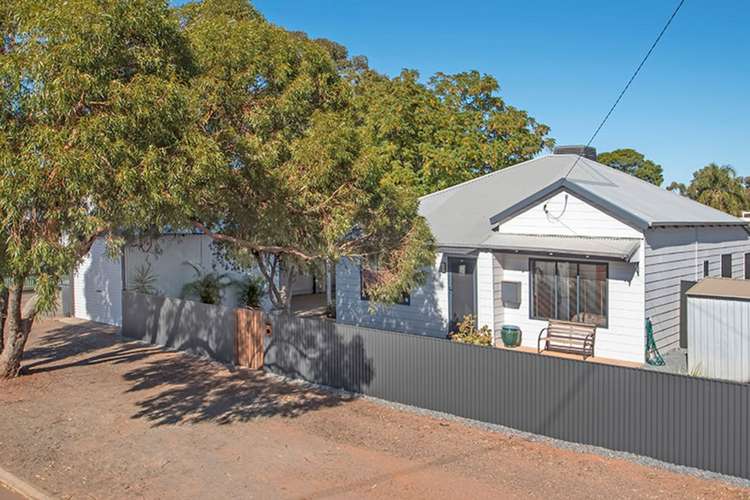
464	214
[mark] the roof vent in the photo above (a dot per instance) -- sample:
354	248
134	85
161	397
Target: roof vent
585	151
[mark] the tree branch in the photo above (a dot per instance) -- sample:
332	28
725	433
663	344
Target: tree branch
271	249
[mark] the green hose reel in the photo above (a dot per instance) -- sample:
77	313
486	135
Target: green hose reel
653	357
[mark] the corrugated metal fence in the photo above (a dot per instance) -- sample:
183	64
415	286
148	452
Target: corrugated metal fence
683	420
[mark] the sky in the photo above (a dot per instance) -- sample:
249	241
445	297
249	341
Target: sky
565	62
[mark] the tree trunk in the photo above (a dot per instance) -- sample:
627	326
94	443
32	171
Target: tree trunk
3	315
17	332
329	283
288	292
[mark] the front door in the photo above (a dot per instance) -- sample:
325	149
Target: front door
461	289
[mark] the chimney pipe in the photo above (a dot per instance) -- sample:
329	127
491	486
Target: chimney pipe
585	151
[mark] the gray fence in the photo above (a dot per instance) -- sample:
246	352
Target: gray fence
683	420
201	329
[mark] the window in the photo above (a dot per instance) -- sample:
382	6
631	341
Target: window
369	276
747	266
705	268
726	265
570	291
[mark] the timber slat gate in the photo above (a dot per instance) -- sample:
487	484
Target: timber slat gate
679	419
248	338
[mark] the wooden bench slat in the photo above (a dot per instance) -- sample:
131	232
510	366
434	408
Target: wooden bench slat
569	337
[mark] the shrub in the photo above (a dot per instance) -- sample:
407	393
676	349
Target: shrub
251	291
467	333
208	286
144	280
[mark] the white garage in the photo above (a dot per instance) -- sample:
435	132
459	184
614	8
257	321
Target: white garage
97	287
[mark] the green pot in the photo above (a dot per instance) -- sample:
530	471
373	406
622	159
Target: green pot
511	335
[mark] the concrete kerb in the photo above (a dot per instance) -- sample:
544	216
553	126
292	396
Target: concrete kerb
22	487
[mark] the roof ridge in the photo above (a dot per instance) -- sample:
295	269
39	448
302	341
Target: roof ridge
625	175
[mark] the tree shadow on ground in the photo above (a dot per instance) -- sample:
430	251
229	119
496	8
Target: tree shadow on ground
184	389
82	344
174	387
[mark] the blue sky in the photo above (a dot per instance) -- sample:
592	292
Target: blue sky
565	63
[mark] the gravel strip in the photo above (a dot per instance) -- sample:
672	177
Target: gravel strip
558	443
582	448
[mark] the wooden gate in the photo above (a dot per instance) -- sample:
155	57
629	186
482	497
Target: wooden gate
248	339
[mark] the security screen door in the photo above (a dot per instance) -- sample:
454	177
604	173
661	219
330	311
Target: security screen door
461	288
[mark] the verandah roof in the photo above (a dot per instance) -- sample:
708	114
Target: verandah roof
625	249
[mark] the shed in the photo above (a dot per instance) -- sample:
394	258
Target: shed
719	329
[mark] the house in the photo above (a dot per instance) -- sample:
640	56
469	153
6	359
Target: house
565	237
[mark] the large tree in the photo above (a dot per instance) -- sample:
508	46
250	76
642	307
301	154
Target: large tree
718	186
123	117
297	186
92	137
451	129
634	163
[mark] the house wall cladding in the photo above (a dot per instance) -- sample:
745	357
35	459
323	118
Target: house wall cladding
624	336
676	254
426	314
566	215
201	329
683	420
170	257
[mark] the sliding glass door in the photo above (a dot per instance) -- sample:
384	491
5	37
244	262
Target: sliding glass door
569	291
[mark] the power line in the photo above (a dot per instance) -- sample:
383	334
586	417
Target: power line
627	85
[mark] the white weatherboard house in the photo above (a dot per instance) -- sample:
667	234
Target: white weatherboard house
543	240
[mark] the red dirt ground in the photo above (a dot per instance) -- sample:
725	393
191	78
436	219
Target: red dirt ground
99	418
8	494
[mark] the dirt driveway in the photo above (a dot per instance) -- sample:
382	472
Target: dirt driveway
99	418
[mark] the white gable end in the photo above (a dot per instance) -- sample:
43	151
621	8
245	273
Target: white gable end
567	215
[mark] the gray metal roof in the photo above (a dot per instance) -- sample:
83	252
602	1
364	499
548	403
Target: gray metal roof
464	214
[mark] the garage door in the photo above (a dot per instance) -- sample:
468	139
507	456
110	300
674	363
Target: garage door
97	287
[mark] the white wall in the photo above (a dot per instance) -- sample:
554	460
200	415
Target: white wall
97	286
567	216
719	338
624	336
168	256
676	254
427	314
485	292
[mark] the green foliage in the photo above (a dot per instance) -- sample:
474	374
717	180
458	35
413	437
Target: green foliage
719	187
467	333
129	116
207	286
449	130
144	281
93	107
251	291
677	187
634	163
